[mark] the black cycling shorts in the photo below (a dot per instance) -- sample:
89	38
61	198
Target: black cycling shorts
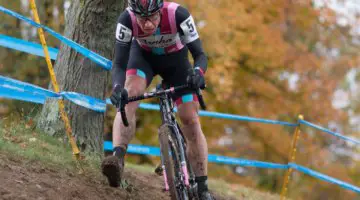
172	68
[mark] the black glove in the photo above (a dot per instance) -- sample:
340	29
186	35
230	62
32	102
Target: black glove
196	79
119	97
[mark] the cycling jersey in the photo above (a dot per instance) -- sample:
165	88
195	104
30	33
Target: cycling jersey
176	31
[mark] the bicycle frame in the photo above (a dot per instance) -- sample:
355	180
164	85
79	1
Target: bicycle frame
185	178
168	117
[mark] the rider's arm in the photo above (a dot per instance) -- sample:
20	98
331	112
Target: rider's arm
122	49
190	36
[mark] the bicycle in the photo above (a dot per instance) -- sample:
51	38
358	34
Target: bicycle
179	178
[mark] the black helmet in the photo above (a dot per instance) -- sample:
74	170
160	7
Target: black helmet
145	7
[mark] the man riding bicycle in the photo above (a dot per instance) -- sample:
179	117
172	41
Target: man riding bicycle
153	38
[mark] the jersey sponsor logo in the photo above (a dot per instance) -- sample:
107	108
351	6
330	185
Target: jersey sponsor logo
189	29
123	33
160	41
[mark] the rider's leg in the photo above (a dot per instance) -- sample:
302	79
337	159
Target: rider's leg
122	135
138	76
113	166
197	150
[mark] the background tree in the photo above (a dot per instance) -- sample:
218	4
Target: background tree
91	24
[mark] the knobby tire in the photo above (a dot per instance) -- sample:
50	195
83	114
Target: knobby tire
171	161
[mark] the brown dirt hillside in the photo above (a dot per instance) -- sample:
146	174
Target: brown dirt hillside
27	180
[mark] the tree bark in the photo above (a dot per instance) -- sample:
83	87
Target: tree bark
92	24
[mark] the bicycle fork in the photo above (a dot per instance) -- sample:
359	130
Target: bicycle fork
183	163
165	177
184	171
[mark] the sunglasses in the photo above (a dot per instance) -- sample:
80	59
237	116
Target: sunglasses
152	18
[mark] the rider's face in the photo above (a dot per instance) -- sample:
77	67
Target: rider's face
150	23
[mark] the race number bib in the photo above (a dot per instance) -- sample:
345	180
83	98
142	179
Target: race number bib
189	29
123	33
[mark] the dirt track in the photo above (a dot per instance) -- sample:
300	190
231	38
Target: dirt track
27	181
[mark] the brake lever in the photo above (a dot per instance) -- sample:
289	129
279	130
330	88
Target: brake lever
123	116
201	99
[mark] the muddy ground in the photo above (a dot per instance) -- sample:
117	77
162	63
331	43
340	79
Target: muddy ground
21	179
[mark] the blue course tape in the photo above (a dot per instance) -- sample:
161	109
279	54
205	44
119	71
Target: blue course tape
10	88
324	177
145	106
108	146
243	118
102	61
85	101
155	151
148	106
135	149
13	89
19	86
328	131
244	162
215	114
10	93
219	115
25	46
206	113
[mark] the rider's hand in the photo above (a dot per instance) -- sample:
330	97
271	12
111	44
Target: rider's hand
119	97
196	79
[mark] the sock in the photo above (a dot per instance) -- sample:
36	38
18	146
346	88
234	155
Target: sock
119	152
202	183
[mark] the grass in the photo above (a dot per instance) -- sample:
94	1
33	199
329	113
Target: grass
243	192
20	140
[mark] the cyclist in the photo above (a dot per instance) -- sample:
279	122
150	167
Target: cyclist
153	38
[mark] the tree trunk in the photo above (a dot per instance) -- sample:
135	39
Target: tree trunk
92	24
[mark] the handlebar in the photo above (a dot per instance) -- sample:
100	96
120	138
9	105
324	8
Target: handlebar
149	95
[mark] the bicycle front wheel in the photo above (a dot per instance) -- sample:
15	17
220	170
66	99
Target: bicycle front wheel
171	161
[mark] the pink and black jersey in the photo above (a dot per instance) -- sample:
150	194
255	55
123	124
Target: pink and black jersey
166	39
176	30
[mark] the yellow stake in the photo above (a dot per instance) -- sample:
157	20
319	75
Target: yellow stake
64	117
291	158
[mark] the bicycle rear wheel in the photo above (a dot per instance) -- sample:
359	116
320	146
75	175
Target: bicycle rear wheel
172	163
